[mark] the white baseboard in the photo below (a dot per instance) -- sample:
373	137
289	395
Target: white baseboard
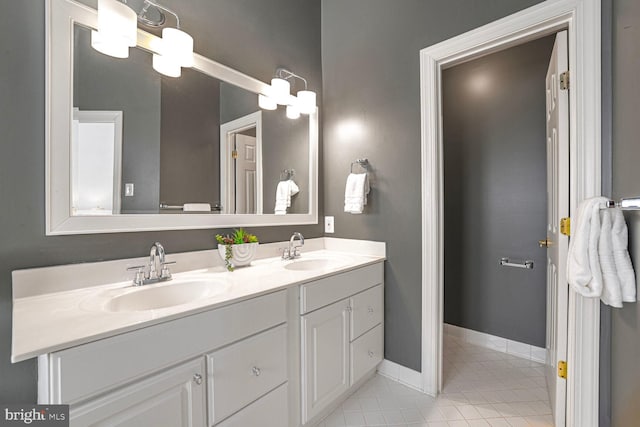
401	374
503	345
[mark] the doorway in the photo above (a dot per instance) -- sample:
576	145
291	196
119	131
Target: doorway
496	334
241	165
581	19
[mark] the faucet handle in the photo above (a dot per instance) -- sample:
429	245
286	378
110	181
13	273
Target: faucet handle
165	273
140	276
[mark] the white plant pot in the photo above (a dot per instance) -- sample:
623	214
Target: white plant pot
241	254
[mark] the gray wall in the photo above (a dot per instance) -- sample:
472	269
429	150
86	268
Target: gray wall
190	139
496	192
371	76
262	41
625	354
131	86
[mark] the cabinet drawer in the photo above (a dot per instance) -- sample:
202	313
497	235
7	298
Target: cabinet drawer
241	373
367	311
269	411
326	291
366	353
115	361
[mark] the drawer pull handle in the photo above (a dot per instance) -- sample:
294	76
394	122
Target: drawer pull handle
197	378
370	309
349	308
256	371
370	353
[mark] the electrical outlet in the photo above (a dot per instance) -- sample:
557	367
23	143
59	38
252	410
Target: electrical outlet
328	224
128	190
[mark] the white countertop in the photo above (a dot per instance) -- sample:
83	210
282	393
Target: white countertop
49	322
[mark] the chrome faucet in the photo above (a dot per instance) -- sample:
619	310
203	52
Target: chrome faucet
292	251
156	262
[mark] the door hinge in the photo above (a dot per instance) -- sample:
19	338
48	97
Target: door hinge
565	226
564	80
562	369
234	154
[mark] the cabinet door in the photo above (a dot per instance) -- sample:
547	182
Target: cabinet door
325	357
174	398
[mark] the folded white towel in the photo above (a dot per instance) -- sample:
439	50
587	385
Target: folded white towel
284	191
196	207
583	266
611	293
626	274
355	193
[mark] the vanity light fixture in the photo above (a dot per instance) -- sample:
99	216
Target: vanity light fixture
117	29
306	99
175	49
304	103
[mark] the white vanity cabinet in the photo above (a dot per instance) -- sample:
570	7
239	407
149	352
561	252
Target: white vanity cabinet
220	362
342	335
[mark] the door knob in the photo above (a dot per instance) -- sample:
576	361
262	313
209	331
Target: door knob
544	243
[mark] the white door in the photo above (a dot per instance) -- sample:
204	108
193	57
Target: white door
325	358
245	174
557	208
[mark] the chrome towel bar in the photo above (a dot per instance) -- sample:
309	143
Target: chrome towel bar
628	203
505	262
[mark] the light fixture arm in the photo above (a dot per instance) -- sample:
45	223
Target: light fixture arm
285	74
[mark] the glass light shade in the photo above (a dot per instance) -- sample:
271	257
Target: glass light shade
293	112
117	22
108	46
267	103
281	90
164	65
177	46
307	101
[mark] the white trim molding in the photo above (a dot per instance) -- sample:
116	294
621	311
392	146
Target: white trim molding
581	18
400	374
503	345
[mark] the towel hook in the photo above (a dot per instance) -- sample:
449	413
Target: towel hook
363	163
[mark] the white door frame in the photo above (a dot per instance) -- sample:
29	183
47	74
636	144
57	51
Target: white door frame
582	20
115	118
226	163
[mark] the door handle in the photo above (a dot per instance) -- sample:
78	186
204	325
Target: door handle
545	243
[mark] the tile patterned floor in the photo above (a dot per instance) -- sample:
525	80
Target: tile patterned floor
482	387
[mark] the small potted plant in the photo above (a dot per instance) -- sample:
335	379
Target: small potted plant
237	249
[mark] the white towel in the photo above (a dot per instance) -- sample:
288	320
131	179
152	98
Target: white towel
196	207
626	274
583	265
355	193
284	191
611	293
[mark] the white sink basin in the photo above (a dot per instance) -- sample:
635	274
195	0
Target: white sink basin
170	294
315	264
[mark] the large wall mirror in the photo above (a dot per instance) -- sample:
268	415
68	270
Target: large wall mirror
129	149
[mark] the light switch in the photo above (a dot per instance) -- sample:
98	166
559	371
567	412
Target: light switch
128	190
328	224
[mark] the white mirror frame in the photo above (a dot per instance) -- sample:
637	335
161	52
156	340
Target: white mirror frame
61	15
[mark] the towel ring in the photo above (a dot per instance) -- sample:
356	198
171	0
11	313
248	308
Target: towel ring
287	174
363	163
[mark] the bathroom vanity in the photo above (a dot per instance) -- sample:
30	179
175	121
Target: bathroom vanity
279	343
